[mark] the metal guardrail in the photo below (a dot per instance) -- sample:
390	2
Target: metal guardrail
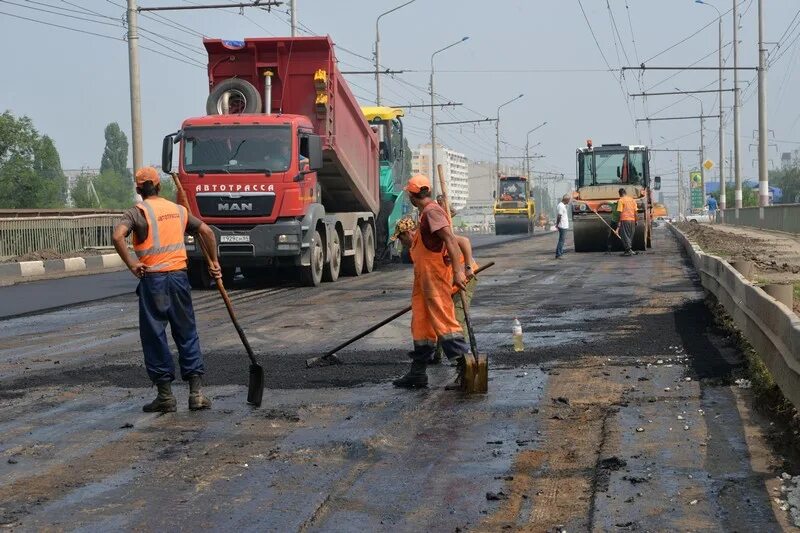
782	217
63	234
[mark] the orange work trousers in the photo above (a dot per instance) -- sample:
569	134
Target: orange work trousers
433	315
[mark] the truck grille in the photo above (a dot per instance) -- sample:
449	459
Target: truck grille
235	205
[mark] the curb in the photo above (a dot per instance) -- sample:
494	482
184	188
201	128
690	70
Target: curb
772	328
15	272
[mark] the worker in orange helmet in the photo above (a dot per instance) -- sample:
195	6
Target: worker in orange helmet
433	316
158	228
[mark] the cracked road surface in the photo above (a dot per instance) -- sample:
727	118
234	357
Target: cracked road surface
618	415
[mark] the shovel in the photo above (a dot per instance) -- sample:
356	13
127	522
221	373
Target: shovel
255	385
330	358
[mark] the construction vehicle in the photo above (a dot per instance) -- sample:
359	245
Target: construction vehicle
514	208
602	171
285	167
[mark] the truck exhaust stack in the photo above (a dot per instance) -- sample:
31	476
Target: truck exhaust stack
268	92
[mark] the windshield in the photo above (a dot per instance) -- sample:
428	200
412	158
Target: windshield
612	168
512	191
237	149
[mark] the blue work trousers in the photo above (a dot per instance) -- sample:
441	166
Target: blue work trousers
562	236
167	298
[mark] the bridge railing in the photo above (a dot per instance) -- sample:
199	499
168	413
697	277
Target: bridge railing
20	235
782	217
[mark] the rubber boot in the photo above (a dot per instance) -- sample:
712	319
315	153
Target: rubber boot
164	402
416	378
461	366
197	400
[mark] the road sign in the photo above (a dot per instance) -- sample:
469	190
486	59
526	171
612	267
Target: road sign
708	164
696	186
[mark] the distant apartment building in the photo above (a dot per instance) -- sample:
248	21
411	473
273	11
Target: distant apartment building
454	167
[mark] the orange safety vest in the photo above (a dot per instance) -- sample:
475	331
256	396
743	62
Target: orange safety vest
627	208
163	249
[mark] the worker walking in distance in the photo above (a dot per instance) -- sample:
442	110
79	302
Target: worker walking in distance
433	315
404	231
158	228
626	206
562	224
712	205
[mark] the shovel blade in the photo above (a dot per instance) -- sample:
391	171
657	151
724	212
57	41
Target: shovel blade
470	370
481	381
255	387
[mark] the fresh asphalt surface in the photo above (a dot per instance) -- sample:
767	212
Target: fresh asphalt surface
37	296
619	415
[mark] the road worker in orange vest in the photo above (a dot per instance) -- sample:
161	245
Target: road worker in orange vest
433	316
158	228
626	206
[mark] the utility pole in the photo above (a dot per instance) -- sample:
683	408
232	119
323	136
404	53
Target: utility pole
293	10
136	97
721	162
737	145
680	189
497	131
763	172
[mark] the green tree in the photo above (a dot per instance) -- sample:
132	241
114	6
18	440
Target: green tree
788	180
115	153
115	191
749	197
167	188
114	185
81	192
30	167
47	165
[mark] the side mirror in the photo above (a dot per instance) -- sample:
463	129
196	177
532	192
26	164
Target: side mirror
657	183
619	174
166	153
314	152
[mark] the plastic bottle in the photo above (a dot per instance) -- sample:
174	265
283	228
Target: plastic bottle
516	332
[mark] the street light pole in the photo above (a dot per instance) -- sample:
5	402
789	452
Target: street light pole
378	49
723	203
527	151
763	172
293	15
497	127
737	145
433	116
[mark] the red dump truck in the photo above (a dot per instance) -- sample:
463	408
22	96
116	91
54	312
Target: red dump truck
284	166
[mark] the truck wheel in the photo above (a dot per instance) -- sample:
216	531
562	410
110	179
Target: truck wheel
227	275
353	264
334	265
243	97
369	249
311	275
199	278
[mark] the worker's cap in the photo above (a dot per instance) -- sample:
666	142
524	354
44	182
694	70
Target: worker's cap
147	174
403	225
417	183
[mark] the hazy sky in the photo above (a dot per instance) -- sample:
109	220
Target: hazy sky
72	84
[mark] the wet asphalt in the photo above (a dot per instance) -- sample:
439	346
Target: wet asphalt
612	346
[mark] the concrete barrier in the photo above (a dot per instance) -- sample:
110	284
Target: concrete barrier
771	327
781	217
12	272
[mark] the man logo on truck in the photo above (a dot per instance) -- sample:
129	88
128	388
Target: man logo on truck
234	207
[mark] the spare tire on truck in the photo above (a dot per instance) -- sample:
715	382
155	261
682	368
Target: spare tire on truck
243	97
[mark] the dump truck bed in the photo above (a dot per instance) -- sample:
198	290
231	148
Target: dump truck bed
306	81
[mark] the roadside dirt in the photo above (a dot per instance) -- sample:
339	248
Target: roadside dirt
776	257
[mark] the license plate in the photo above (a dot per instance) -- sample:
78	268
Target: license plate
234	238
